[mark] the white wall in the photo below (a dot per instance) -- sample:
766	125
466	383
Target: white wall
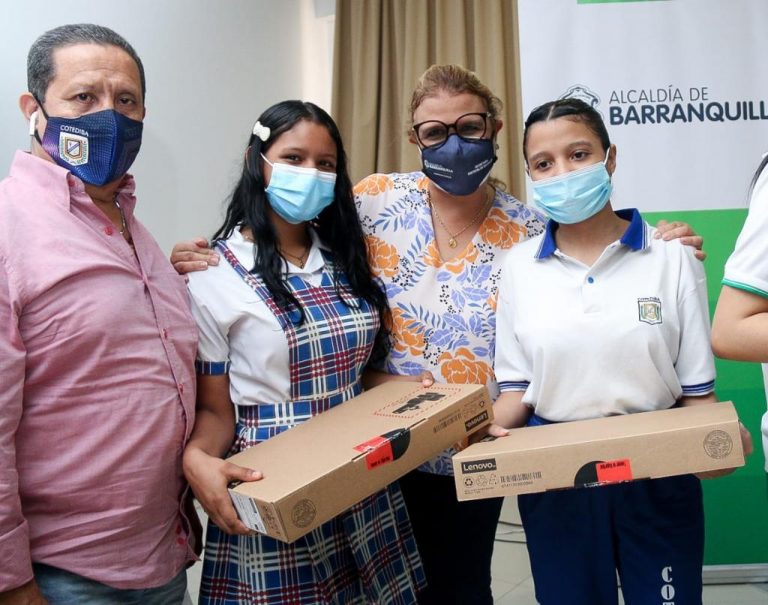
212	67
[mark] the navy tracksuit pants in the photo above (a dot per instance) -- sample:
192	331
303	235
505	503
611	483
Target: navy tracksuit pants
650	531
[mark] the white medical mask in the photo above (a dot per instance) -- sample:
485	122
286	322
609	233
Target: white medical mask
575	196
299	194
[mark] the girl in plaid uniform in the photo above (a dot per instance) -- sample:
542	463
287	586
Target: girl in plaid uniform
288	321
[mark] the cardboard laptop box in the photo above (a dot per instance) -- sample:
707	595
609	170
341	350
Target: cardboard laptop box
606	450
323	466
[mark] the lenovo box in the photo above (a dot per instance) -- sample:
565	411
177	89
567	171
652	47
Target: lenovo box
606	450
323	466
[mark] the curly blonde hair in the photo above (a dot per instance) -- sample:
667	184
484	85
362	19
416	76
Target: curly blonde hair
454	79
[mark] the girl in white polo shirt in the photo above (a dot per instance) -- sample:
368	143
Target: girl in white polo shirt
595	318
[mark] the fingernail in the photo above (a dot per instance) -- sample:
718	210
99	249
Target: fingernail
214	259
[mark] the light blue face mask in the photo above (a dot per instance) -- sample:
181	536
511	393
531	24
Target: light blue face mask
575	196
299	194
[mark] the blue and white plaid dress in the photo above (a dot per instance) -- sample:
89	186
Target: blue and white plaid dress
366	554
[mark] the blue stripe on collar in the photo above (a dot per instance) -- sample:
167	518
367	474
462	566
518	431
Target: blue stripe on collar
547	246
635	237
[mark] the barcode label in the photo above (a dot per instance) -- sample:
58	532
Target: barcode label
521	477
446	423
614	471
248	512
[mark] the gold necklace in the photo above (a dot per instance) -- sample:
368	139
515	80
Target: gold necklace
452	236
300	260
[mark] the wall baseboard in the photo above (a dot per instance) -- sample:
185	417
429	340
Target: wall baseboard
736	574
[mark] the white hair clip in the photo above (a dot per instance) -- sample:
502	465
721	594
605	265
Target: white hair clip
261	131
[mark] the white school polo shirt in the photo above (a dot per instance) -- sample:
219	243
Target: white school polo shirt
747	267
239	334
628	334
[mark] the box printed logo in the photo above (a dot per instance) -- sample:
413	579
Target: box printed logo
718	444
479	466
303	513
476	421
413	406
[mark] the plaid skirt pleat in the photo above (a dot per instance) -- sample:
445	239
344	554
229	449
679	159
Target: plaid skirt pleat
366	555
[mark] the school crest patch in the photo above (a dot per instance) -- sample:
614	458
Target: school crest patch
649	310
73	149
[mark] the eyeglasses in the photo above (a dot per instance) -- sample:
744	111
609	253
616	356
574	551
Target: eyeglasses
470	126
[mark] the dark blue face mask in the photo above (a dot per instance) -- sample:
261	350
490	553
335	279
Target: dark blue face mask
97	147
459	166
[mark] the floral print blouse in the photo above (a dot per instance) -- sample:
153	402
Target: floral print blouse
443	312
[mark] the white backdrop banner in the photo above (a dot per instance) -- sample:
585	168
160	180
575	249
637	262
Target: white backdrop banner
681	84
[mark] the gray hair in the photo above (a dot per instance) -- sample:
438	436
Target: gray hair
40	68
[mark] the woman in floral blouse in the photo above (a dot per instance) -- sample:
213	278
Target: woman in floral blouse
437	239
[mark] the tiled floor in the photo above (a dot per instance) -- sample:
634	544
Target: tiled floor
512	583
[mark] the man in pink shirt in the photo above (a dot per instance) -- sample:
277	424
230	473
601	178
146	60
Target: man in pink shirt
96	346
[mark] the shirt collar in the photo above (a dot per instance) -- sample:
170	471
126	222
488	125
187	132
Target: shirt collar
315	260
635	237
60	181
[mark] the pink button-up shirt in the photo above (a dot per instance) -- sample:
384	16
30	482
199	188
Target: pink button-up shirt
97	387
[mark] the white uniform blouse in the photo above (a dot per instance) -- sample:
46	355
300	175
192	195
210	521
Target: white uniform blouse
238	332
628	334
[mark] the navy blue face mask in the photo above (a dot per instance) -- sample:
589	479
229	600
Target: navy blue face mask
459	166
97	147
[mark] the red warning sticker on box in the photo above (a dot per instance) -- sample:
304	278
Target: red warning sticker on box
614	471
379	451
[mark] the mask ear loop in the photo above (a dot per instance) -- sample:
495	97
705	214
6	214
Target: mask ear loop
33	121
605	161
607	155
33	124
